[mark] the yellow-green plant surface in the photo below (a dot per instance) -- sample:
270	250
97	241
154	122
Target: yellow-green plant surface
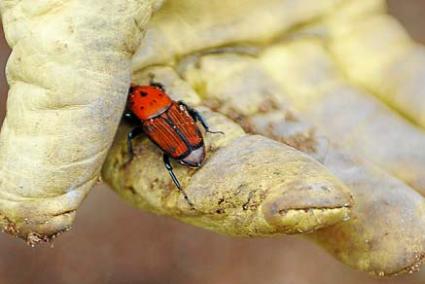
321	104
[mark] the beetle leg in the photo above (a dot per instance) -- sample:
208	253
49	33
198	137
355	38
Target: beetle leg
169	168
198	117
130	117
131	135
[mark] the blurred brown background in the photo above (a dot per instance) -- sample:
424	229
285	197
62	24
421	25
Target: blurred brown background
114	243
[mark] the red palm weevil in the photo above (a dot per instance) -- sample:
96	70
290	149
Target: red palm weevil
170	124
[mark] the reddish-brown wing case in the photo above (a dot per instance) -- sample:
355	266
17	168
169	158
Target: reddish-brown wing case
174	131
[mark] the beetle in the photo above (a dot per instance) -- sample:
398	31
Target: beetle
169	124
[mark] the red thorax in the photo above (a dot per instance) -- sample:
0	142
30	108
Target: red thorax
148	101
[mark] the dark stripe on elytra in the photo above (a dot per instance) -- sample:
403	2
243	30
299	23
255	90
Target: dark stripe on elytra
179	133
164	132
